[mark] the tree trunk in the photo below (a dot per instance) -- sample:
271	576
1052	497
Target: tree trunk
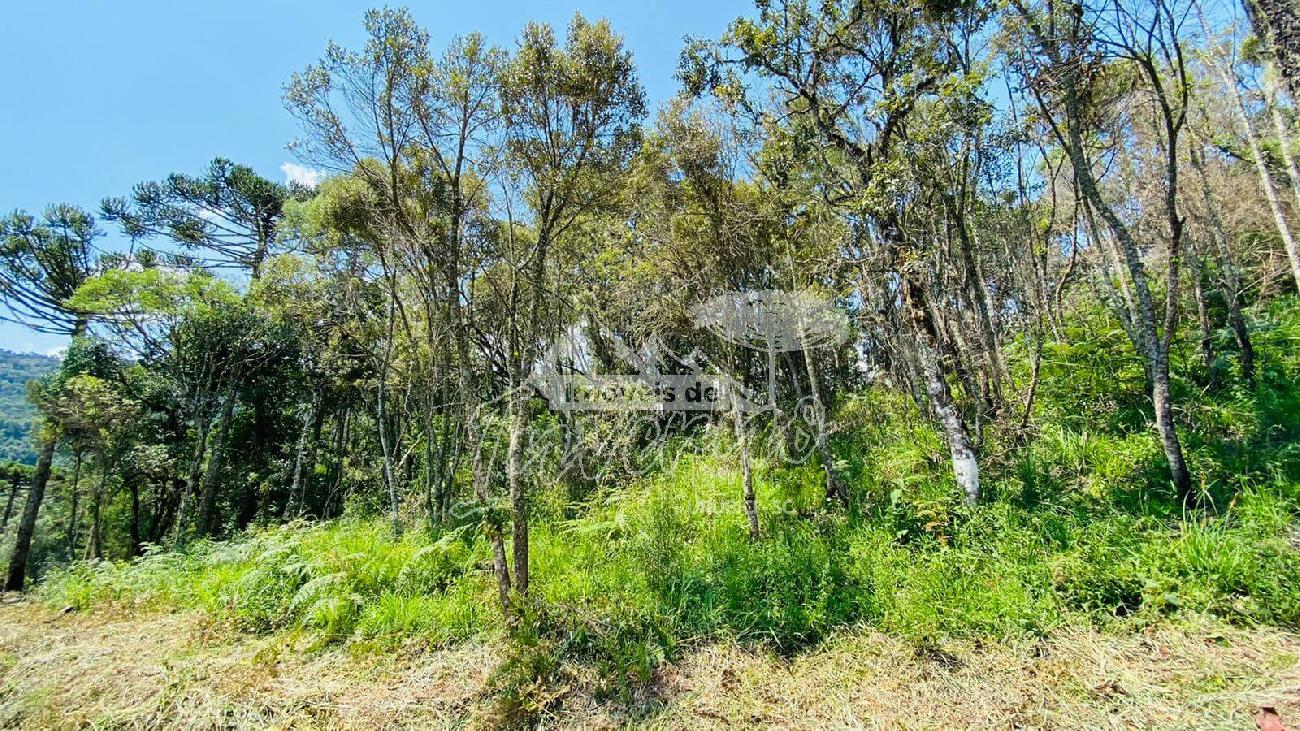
216	462
1242	335
1202	310
834	490
14	479
965	467
1169	441
1283	140
298	488
192	478
1278	23
1149	342
390	474
1230	280
1261	169
95	549
17	576
381	418
984	308
135	518
746	473
478	473
518	501
72	508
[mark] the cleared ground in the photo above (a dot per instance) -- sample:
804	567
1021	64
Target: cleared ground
116	669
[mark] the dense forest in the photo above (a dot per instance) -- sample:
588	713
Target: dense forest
1052	247
16	412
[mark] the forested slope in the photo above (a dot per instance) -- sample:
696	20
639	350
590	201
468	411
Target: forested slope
16	412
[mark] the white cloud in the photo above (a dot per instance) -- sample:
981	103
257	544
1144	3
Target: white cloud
301	174
57	351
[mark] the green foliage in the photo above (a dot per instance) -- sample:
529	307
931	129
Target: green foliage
336	580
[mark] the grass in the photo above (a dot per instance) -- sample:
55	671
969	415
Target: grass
1078	529
102	669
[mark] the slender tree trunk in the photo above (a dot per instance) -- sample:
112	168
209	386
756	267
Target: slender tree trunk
983	301
216	462
834	490
492	525
1261	170
193	477
500	566
135	517
965	466
1169	440
14	479
1242	335
518	501
17	575
1149	342
746	473
297	488
1027	412
95	549
1283	141
381	419
470	402
1230	279
338	452
165	513
73	505
390	474
1202	309
482	491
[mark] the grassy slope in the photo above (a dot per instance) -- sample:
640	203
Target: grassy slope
110	669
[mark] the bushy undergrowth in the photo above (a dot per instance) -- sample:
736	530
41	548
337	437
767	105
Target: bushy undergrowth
1078	521
348	579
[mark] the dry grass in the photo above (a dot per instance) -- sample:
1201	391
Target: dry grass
176	670
152	670
1209	676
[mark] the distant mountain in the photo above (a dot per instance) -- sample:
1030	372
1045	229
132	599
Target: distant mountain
16	415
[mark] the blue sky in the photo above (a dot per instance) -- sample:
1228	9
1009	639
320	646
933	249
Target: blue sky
101	95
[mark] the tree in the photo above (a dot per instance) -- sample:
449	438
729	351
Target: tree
42	263
1145	44
850	75
85	358
206	338
228	213
1278	23
95	412
413	135
1225	69
571	123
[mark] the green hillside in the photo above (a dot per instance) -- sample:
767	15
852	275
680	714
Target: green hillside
16	369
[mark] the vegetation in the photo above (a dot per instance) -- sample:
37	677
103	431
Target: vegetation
1065	394
16	412
1080	525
